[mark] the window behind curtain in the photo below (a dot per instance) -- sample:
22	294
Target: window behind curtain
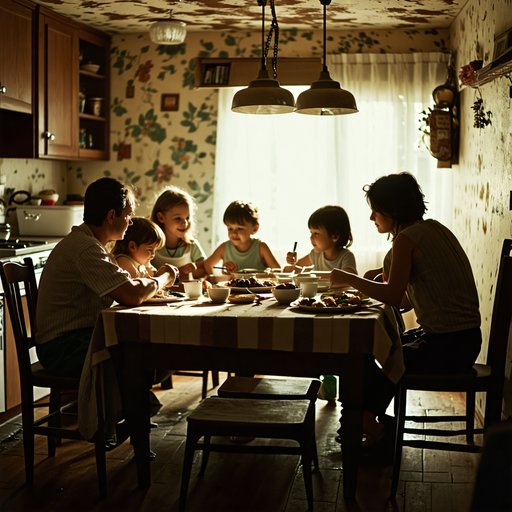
292	164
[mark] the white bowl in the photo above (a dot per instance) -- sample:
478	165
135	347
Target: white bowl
92	68
219	295
307	278
285	296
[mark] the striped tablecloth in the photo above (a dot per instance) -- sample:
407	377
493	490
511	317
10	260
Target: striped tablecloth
269	327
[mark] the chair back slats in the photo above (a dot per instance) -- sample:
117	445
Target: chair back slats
500	329
12	275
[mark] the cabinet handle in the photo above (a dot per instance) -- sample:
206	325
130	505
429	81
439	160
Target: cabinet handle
49	135
3	89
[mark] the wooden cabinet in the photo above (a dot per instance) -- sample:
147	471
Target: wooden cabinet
58	88
215	73
17	79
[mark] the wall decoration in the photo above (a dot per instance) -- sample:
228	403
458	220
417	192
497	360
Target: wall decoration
502	43
170	102
124	152
130	91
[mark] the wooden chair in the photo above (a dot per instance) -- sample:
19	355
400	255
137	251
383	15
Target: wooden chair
33	374
488	378
240	417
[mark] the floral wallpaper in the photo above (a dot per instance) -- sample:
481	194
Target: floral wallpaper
153	146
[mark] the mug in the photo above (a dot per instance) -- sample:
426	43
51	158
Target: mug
193	289
309	289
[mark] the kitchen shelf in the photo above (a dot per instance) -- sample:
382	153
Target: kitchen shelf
90	117
496	69
217	73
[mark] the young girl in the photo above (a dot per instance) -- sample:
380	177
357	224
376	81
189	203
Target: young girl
174	212
136	250
242	250
428	270
330	237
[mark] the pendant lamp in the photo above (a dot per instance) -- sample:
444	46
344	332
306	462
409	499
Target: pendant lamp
264	95
168	32
325	97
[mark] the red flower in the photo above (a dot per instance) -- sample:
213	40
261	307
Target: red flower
467	75
164	173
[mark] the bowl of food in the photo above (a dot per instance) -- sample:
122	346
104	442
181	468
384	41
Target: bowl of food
285	293
48	197
219	295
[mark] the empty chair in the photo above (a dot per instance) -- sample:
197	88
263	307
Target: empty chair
488	378
240	417
167	383
22	308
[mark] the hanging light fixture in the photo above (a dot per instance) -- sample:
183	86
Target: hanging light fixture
264	95
325	97
168	32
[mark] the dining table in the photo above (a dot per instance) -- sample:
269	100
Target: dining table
262	337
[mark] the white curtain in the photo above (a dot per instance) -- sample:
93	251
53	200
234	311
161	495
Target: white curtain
290	165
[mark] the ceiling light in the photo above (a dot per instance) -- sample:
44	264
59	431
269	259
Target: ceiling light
168	32
264	95
325	97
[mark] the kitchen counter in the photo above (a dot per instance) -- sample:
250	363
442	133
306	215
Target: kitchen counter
35	245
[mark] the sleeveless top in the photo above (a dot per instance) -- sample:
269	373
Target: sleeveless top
141	270
250	259
441	286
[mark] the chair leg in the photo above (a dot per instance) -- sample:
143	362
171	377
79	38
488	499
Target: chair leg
205	383
400	423
27	415
55	404
190	448
306	445
101	462
167	383
206	454
470	416
215	378
314	451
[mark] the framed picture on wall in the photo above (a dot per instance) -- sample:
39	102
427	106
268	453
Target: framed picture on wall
170	102
502	43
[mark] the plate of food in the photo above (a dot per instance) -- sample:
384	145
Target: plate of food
242	298
251	285
328	304
347	296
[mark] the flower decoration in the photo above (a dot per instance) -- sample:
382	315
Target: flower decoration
481	118
467	75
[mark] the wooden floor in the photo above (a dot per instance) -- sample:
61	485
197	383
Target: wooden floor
430	481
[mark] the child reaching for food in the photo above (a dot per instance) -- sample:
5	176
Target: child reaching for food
330	237
427	269
242	251
174	213
136	250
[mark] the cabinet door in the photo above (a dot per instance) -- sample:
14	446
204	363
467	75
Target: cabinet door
58	89
16	57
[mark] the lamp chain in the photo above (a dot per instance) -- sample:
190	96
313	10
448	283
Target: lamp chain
274	29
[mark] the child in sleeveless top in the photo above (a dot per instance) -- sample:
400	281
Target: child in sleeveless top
330	237
174	213
242	250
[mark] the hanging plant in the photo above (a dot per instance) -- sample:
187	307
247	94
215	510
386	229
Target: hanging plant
481	117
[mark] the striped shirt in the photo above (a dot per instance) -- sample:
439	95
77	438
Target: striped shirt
75	284
441	286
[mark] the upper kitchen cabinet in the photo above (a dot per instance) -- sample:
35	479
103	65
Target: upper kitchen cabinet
73	65
17	78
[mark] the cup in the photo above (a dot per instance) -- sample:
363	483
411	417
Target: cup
193	289
219	295
309	289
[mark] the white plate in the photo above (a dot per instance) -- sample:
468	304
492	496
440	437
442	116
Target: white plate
333	311
92	68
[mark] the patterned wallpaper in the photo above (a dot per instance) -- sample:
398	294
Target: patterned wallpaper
155	144
483	183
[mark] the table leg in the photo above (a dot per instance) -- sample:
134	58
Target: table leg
351	379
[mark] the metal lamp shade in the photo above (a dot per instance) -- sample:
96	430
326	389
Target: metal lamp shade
168	32
325	97
263	96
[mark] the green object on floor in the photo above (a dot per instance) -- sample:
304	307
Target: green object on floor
329	388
